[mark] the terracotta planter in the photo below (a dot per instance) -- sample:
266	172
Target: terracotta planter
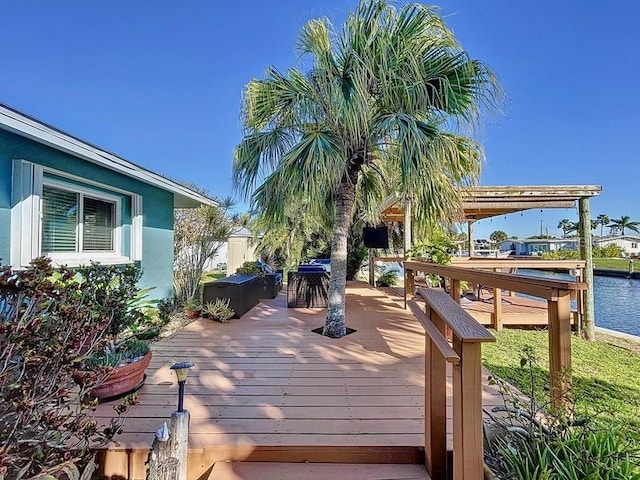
123	379
192	313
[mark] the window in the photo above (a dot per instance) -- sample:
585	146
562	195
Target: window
70	219
76	222
634	245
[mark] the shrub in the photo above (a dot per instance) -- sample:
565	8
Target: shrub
51	321
250	268
610	251
528	443
438	252
219	310
387	279
561	255
166	308
111	290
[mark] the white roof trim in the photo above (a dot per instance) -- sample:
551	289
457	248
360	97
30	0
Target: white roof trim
618	237
25	126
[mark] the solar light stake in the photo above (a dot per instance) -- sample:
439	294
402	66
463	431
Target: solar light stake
182	370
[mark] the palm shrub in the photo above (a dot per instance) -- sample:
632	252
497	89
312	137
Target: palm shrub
219	310
51	322
378	101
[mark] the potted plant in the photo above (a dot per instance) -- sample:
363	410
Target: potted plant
125	364
192	308
117	366
219	310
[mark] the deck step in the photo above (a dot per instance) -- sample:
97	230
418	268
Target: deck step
316	471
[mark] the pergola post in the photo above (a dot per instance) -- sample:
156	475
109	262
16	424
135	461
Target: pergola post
372	273
470	237
586	254
408	240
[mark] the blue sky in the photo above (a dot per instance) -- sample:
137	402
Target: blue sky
159	83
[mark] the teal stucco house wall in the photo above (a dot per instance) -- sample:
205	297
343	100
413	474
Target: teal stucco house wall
76	203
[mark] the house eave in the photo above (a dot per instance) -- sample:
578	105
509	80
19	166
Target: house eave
25	126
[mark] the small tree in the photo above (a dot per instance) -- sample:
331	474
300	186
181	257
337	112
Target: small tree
498	236
199	233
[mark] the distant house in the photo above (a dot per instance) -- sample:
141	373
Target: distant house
538	246
76	203
630	244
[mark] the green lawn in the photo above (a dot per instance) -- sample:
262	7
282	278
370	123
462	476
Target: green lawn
606	378
616	264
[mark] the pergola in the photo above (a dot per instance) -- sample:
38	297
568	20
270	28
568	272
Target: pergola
489	201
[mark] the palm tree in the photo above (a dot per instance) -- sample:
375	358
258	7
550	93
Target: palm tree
625	222
382	94
602	220
567	226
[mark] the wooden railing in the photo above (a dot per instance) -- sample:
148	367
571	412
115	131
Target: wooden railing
511	265
558	296
467	336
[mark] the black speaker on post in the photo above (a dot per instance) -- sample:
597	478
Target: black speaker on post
376	237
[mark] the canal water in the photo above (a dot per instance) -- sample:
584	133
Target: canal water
617	300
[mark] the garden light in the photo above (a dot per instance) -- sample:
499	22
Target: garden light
182	370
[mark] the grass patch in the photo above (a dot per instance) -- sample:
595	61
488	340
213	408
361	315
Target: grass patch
606	378
621	264
212	276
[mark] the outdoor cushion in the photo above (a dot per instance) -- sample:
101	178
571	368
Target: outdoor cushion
310	268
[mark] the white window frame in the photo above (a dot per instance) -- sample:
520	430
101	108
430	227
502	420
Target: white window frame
26	218
83	193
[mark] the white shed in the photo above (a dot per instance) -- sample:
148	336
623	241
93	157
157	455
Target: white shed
240	249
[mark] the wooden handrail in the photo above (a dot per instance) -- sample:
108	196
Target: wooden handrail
465	354
479	262
464	326
439	341
557	293
536	286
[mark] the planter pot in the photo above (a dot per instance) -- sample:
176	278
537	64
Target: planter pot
123	379
192	314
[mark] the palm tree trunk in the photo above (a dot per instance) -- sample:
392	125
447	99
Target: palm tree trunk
335	326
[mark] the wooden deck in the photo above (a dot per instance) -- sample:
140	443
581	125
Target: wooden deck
266	388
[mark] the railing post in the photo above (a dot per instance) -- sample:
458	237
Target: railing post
560	348
409	285
468	458
579	302
435	404
455	289
496	316
168	457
